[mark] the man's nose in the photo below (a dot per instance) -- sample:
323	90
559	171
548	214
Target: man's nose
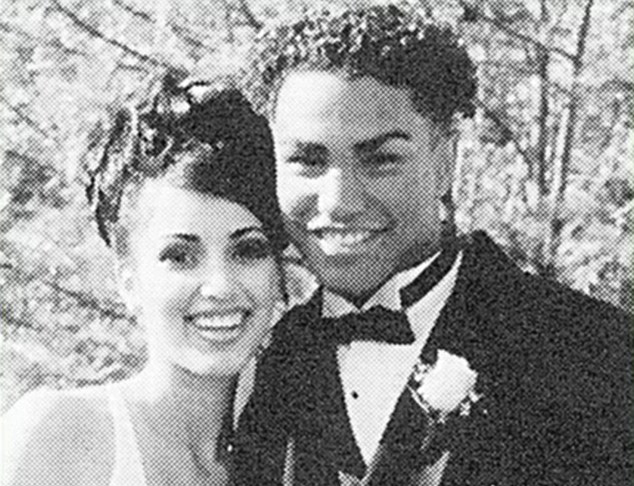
342	193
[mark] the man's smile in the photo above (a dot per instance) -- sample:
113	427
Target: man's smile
337	240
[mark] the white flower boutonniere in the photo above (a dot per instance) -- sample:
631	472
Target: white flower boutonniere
444	387
443	392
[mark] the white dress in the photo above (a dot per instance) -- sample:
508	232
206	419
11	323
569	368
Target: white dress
128	468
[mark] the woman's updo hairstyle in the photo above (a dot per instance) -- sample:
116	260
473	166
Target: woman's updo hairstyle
204	138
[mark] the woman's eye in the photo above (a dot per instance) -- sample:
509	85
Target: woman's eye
178	256
306	161
252	249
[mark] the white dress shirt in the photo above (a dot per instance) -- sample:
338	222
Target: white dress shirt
373	374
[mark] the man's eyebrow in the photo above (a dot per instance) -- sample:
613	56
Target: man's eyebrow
243	231
375	143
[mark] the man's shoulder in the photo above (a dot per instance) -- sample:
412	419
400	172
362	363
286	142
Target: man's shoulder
564	353
559	300
534	295
563	344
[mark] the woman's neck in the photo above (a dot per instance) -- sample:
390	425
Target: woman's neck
180	405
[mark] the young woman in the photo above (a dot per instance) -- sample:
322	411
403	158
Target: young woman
184	194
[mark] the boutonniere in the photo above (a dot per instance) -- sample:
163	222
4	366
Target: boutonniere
445	392
444	388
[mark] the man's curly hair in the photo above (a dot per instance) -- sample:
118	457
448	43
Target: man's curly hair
397	46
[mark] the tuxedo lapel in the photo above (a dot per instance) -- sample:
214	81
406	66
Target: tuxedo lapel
324	441
400	444
472	325
455	331
398	455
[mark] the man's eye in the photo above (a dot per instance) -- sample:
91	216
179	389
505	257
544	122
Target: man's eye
382	159
252	249
178	256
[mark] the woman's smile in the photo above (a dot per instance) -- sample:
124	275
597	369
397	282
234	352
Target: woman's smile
209	282
219	326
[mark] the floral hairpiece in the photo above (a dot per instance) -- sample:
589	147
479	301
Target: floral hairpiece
141	139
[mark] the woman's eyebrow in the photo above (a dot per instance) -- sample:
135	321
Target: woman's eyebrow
185	236
374	143
242	231
312	149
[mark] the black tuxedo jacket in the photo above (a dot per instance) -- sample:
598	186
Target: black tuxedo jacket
556	369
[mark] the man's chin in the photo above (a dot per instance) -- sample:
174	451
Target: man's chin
349	274
349	281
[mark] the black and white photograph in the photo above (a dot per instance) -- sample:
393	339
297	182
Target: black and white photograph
335	243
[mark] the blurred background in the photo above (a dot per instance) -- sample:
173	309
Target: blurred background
545	167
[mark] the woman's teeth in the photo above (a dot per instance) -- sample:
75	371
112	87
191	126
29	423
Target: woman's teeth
206	322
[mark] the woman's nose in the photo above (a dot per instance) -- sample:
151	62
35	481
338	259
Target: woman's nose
216	282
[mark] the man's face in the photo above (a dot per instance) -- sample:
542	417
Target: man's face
360	177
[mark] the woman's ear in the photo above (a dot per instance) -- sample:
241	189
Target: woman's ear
279	309
126	285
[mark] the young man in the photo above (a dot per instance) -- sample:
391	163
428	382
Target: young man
363	107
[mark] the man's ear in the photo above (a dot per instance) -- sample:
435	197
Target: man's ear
446	150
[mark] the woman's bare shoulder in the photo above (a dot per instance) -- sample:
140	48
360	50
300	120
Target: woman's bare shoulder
63	437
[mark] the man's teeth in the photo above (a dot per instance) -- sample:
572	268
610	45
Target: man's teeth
209	322
345	238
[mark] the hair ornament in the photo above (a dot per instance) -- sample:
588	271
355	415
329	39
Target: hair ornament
218	144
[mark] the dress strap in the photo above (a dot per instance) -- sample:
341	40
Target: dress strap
128	468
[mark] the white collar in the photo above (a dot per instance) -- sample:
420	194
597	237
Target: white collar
387	296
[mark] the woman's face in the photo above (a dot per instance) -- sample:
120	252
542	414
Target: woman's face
202	278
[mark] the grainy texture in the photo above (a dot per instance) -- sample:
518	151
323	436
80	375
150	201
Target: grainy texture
545	166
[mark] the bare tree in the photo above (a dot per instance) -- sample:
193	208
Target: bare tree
562	167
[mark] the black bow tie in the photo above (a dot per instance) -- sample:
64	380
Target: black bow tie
383	325
376	324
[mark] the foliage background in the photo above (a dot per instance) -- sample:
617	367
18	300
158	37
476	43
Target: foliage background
546	166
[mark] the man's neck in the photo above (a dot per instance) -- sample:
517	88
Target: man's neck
359	299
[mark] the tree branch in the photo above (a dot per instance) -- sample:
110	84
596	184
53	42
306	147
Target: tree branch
81	298
56	43
85	300
246	11
227	21
495	118
17	322
543	61
131	10
514	33
182	32
26	119
100	35
560	182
